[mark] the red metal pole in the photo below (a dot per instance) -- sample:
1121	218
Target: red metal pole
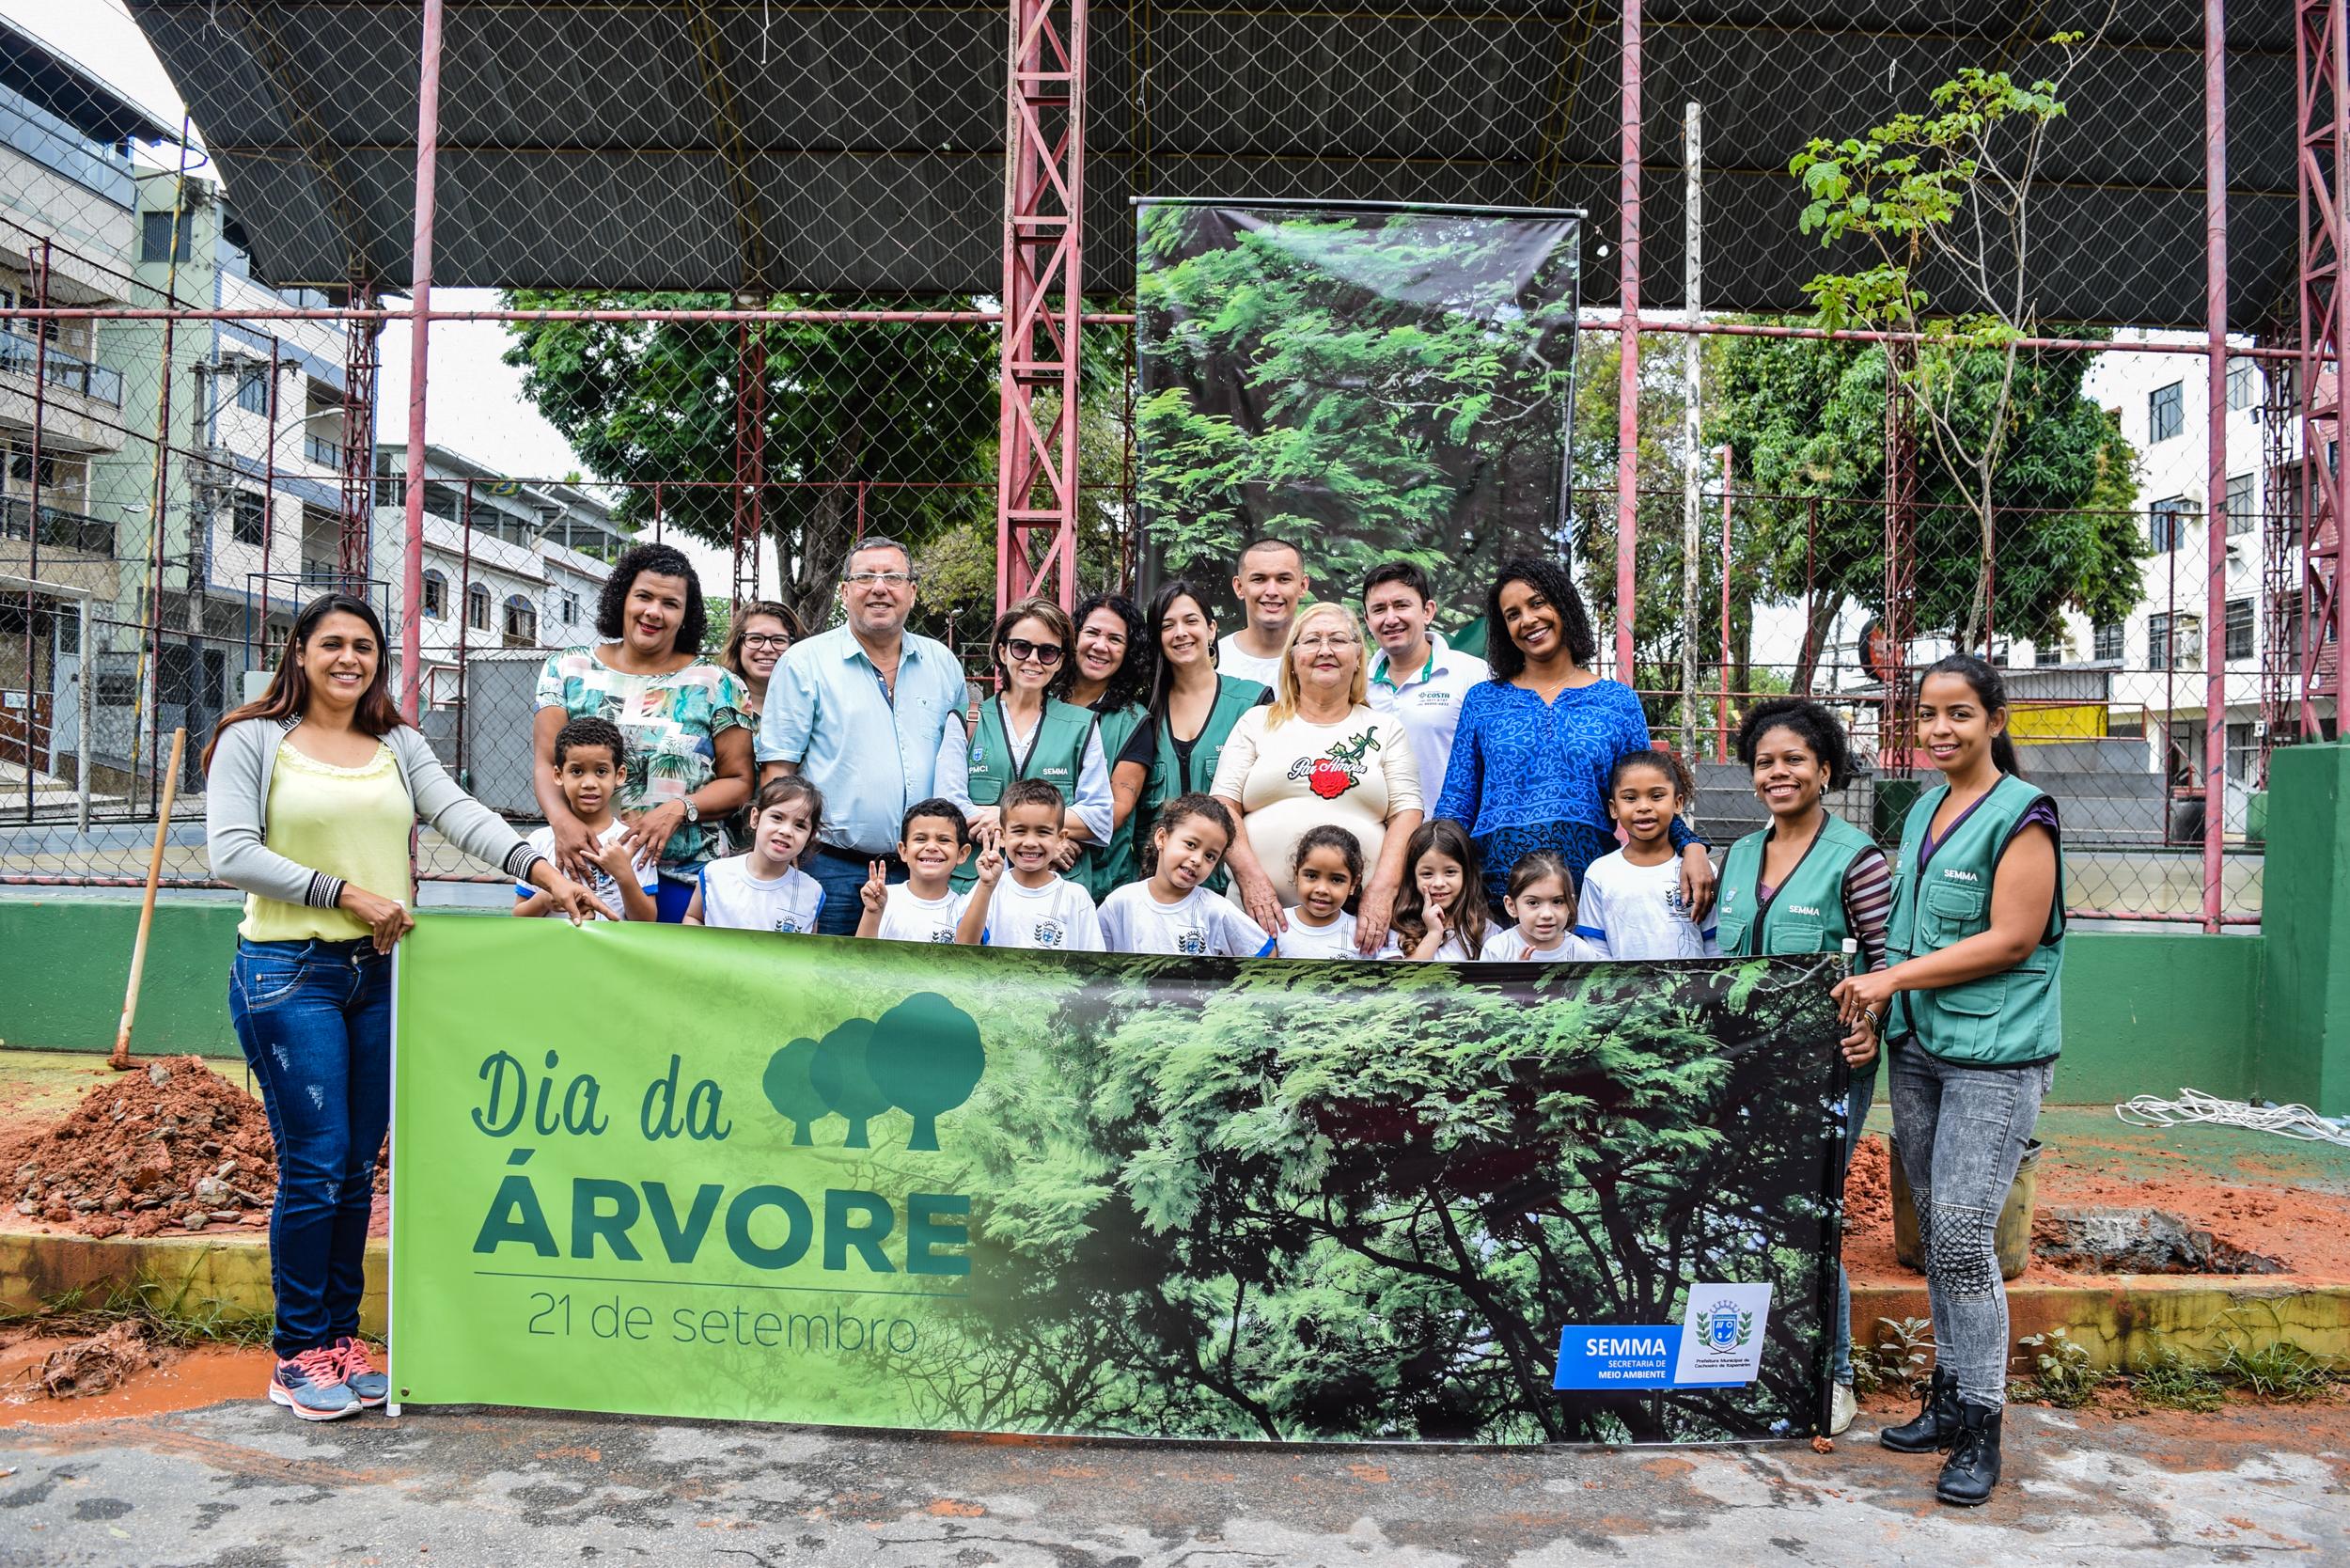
2335	477
2216	453
420	353
1722	717
1629	362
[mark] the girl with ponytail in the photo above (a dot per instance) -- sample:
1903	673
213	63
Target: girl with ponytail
1968	1004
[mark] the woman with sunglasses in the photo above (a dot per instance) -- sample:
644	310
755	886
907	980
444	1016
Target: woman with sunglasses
1026	732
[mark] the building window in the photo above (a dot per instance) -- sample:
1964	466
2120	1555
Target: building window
249	519
2049	651
571	609
477	607
2105	643
2174	642
2243	506
2166	413
253	391
2239	629
522	623
2168	523
155	237
2244	384
435	596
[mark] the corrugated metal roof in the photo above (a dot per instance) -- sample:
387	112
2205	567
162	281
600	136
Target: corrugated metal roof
857	149
82	99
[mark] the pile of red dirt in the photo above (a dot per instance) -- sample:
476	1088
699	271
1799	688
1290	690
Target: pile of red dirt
1869	1187
171	1145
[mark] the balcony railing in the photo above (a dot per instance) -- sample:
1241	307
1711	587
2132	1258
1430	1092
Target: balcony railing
325	454
59	529
19	353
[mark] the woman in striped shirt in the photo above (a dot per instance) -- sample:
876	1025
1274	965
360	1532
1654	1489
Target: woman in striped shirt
1804	885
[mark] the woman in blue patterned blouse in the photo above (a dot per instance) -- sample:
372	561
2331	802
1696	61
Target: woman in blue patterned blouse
1531	757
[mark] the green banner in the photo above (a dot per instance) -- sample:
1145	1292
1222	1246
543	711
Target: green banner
711	1173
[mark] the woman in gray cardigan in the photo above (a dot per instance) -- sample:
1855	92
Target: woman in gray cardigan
310	795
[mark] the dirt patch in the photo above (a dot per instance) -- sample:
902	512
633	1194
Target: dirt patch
174	1379
1869	1188
88	1366
2137	1241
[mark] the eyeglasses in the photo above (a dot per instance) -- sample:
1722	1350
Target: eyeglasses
1045	654
878	579
1333	642
760	639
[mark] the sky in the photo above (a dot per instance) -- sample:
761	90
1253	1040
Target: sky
476	404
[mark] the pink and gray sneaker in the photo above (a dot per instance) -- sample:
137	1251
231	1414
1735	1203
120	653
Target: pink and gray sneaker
311	1385
368	1386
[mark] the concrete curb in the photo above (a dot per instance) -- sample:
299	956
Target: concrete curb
192	1272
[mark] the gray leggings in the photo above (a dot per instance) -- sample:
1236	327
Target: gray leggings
1962	1132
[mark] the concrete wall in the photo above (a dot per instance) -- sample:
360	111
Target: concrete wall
2143	1014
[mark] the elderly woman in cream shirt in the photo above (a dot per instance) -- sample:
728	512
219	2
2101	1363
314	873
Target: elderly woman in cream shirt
1318	754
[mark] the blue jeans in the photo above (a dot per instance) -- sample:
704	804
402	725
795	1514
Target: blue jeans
1859	1094
841	873
1962	1132
315	1019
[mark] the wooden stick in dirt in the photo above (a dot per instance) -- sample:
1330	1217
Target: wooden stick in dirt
120	1060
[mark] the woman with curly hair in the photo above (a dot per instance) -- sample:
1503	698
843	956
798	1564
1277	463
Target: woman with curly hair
1112	674
1535	743
684	718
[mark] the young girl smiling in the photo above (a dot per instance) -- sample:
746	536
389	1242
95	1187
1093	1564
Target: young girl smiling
1631	903
1328	867
1442	912
1541	902
764	888
1171	911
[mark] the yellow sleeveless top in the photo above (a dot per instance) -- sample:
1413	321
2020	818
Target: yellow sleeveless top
348	823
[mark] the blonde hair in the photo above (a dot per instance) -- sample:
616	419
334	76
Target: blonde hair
1285	688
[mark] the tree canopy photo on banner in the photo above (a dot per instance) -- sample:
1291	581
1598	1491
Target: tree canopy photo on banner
1374	382
897	1185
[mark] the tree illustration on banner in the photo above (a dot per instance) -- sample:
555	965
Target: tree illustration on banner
790	1087
925	1055
840	1078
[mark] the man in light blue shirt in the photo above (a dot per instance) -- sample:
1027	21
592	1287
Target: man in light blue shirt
1417	677
858	711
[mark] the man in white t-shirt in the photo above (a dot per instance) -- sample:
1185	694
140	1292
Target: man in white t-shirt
1417	677
1270	582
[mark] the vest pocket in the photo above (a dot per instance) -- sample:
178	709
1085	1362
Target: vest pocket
1967	1024
1731	932
1798	934
1949	912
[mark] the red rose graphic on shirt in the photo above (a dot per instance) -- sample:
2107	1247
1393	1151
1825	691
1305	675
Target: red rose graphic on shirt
1331	775
1327	779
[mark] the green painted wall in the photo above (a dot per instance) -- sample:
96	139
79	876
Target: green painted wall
2306	902
2143	1014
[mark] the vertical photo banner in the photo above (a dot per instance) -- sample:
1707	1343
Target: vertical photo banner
1372	383
724	1174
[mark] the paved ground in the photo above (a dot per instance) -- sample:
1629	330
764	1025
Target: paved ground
241	1484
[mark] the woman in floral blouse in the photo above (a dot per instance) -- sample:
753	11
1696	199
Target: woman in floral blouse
682	718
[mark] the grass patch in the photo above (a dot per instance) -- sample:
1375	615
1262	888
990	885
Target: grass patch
170	1316
2175	1383
2280	1370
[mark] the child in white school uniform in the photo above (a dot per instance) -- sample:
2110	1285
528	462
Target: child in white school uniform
764	888
1034	906
1327	869
1630	904
1441	914
932	839
1541	902
1169	912
589	765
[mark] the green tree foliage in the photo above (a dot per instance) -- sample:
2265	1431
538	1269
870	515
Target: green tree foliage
842	1080
1807	420
790	1087
1373	386
646	402
926	1056
1231	1201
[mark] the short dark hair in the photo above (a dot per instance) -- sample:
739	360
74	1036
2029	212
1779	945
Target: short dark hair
937	806
662	560
1663	762
1809	723
876	541
1532	868
590	730
1179	810
1032	792
1406	573
1549	579
1267	541
1330	836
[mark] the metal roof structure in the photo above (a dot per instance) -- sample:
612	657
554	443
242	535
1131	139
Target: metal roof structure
89	103
731	146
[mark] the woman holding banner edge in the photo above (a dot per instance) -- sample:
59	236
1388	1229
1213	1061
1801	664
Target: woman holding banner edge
309	795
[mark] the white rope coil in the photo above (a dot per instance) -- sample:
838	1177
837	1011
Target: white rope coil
2193	1107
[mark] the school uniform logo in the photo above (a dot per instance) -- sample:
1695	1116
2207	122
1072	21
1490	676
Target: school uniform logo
942	934
1193	943
1047	934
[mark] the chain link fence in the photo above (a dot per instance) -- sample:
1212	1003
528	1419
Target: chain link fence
746	261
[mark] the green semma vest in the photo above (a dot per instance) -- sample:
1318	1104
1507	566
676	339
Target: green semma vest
1056	757
1805	914
1105	868
2010	1019
1233	698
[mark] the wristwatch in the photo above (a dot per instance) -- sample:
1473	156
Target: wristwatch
693	813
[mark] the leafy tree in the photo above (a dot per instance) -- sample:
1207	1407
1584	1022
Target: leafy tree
926	1056
1946	196
646	402
1369	387
838	1074
790	1087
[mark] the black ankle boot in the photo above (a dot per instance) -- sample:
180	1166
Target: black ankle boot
1973	1467
1937	1426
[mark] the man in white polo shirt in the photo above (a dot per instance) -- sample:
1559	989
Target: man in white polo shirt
1415	676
